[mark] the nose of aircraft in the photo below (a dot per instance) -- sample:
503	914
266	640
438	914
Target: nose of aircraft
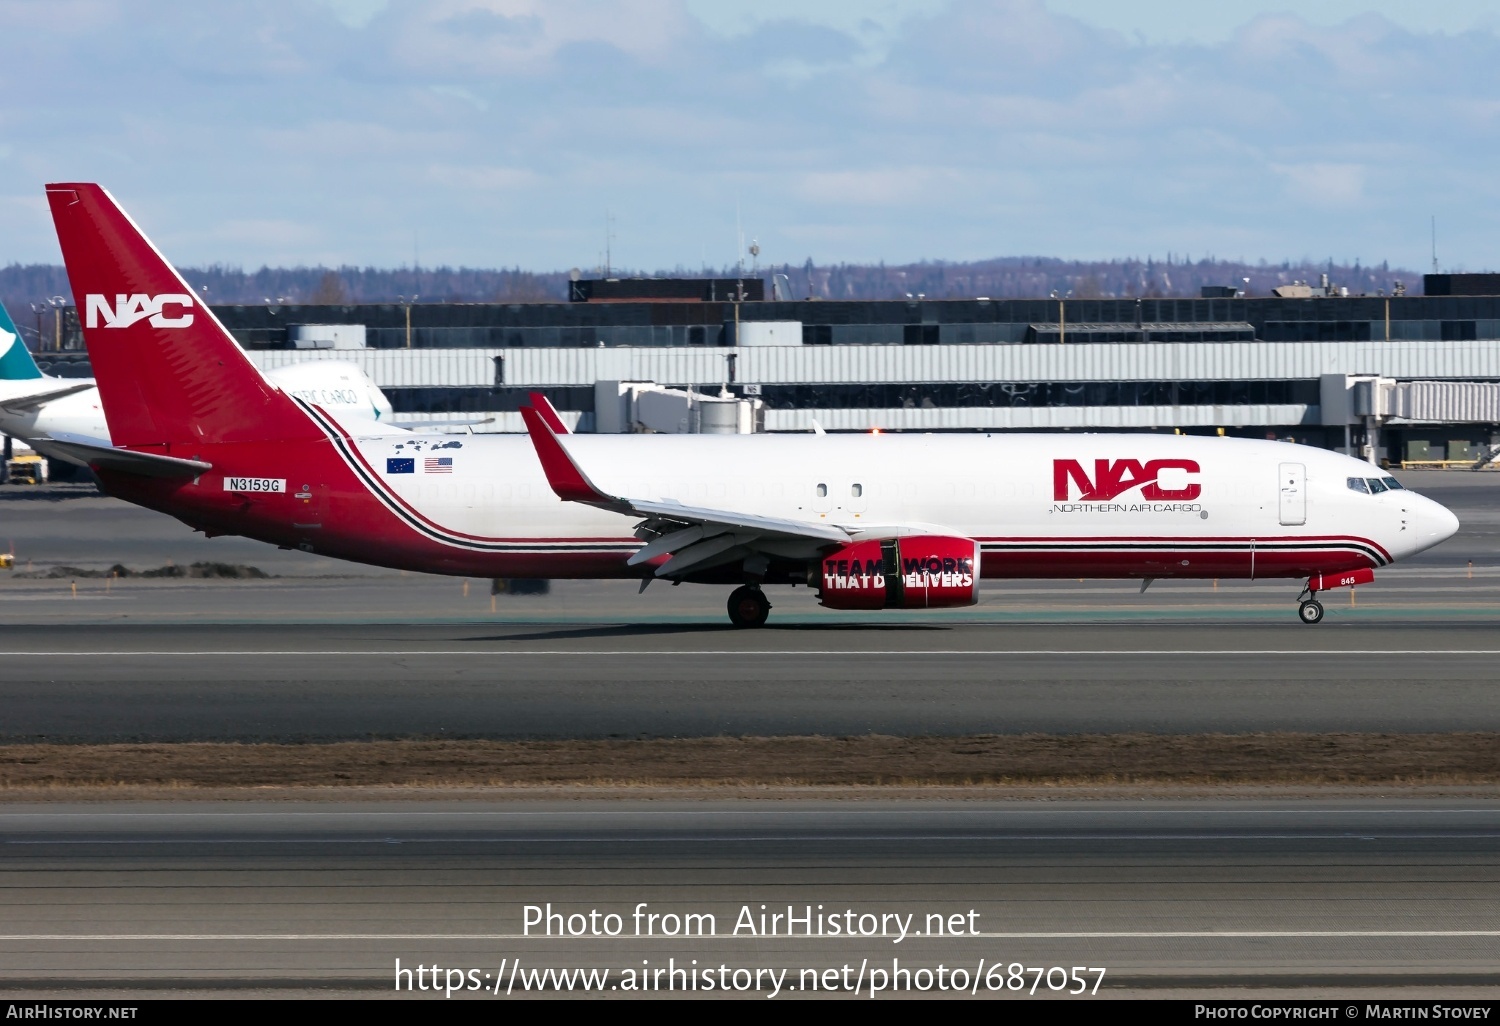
1433	522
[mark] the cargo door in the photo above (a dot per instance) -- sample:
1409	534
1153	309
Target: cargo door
1293	486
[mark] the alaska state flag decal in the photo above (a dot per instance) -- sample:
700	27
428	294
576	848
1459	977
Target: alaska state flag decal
400	466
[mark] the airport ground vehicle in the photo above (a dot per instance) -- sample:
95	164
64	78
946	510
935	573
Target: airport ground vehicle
869	521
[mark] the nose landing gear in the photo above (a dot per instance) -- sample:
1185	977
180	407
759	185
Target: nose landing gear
748	607
1311	611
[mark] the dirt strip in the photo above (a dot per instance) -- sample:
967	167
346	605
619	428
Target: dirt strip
1112	760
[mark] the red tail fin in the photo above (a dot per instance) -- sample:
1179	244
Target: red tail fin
168	372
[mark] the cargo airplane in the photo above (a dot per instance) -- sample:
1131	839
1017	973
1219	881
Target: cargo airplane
867	521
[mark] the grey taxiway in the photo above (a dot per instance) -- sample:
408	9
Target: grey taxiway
1185	896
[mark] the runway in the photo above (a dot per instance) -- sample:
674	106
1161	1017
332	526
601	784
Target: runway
1185	896
304	683
1167	897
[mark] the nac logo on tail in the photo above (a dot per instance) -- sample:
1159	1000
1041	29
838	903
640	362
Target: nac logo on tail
1112	477
128	310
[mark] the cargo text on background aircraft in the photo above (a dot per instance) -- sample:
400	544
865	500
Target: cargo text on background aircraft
200	434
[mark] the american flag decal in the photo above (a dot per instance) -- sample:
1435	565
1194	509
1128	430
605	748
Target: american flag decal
438	465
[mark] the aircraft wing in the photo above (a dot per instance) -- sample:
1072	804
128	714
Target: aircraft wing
34	400
101	455
694	538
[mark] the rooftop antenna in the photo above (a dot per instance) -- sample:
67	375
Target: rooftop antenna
1434	244
609	235
739	238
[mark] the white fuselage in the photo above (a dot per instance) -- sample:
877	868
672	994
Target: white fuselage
1056	505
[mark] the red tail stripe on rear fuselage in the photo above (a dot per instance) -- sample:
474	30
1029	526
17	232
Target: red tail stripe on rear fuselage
434	531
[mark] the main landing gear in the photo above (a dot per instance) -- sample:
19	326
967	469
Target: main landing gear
748	607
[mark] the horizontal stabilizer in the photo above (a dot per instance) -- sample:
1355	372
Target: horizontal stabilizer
34	400
100	455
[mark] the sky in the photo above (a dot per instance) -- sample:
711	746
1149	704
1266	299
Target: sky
546	134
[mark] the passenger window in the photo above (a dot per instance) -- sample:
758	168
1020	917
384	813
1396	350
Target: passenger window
1392	484
856	490
1376	486
822	491
1357	484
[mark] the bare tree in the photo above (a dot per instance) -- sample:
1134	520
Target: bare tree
330	291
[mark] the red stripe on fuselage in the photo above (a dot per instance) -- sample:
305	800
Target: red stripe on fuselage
1195	563
362	525
1260	541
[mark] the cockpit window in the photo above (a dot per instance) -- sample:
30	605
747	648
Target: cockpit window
1374	485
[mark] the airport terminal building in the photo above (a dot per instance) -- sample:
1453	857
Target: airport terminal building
1397	377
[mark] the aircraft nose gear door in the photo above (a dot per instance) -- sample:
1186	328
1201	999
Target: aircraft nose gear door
1293	487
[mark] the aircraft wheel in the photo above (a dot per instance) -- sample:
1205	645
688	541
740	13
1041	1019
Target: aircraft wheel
1311	611
748	607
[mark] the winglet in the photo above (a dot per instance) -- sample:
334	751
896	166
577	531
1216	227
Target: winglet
548	412
569	482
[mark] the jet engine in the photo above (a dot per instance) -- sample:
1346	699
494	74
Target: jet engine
917	572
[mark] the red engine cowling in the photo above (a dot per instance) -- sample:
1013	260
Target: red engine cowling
916	572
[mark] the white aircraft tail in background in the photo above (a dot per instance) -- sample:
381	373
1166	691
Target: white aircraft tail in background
41	409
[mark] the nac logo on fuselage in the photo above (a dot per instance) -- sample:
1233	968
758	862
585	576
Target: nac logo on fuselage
1114	477
128	310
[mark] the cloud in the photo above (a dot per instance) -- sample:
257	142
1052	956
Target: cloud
460	93
974	128
483	179
889	187
269	232
1336	184
355	13
506	38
